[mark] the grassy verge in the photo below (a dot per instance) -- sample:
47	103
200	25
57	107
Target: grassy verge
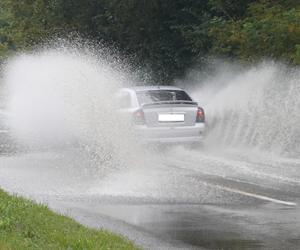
25	225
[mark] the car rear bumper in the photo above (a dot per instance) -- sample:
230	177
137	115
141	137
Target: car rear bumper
171	135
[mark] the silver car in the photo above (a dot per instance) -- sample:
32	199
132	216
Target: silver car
163	114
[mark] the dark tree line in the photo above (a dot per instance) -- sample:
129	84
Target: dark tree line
165	37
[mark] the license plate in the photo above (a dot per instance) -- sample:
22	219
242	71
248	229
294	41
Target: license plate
171	117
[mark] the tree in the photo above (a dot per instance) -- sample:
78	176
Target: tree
163	37
269	30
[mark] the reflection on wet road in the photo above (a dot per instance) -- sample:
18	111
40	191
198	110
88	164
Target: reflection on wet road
178	199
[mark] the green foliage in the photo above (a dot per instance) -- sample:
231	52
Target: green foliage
229	9
269	30
25	225
164	37
154	32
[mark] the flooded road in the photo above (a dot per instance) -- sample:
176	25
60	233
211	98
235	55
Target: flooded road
183	199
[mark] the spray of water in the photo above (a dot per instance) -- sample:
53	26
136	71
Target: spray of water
252	109
61	97
64	97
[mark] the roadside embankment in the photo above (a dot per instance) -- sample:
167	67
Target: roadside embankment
26	225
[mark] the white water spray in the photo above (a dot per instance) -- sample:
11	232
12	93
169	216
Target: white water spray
60	97
254	109
57	97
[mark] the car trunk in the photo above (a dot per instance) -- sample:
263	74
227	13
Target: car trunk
170	114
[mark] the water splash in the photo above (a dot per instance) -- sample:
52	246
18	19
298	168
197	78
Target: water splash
65	96
253	109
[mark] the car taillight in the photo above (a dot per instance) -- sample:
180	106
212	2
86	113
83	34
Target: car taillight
200	115
139	117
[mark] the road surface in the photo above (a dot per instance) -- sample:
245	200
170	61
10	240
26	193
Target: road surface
178	199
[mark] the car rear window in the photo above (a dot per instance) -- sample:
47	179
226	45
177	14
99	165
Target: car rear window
151	96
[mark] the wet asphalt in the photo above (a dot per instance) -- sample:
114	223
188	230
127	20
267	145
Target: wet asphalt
185	200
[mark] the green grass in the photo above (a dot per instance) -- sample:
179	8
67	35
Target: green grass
26	225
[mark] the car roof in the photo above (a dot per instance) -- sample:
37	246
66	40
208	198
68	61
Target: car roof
158	87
